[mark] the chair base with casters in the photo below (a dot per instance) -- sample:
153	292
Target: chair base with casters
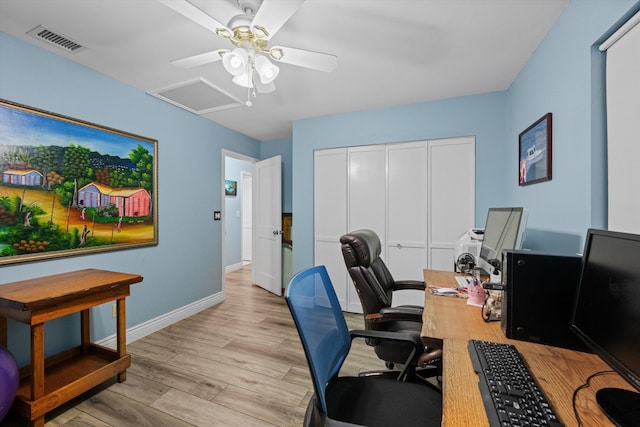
326	339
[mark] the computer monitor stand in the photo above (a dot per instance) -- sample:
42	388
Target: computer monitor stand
620	405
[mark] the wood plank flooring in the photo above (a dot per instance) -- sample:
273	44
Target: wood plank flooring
239	363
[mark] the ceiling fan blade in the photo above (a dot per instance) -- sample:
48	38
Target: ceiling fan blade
307	58
195	14
273	14
201	59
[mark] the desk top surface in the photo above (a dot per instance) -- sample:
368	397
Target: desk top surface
558	371
27	294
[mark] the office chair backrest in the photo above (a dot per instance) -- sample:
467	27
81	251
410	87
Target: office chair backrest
323	331
361	251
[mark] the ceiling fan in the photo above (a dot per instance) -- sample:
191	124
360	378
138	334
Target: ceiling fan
250	31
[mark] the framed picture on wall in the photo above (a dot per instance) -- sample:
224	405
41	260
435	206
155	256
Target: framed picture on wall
534	152
230	188
71	187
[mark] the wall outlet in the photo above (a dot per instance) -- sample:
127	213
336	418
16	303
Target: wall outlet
114	311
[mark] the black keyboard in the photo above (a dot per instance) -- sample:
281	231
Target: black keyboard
510	394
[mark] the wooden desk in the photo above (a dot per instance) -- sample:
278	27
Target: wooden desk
450	322
48	383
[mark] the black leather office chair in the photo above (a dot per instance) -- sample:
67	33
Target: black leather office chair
375	286
326	339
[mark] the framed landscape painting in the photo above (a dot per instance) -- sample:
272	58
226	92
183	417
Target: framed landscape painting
71	187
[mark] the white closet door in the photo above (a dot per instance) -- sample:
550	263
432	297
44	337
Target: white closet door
366	199
451	197
367	188
330	216
407	216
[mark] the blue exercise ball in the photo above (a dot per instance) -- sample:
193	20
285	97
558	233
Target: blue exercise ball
9	379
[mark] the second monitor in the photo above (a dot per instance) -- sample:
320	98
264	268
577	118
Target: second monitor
504	230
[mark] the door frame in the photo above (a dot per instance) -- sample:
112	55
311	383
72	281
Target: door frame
243	212
223	251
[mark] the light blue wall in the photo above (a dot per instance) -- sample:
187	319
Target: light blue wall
557	79
232	205
560	79
186	266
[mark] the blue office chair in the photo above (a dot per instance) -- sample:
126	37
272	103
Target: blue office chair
326	339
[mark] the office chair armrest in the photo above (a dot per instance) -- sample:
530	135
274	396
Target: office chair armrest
394	314
387	335
408	284
409	338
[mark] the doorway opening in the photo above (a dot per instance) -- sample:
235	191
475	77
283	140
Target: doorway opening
237	212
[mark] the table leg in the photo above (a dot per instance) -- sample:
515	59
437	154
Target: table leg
37	367
85	329
4	337
121	333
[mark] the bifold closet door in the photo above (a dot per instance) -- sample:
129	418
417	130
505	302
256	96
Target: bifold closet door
406	244
330	217
452	198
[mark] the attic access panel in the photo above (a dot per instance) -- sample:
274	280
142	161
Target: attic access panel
198	96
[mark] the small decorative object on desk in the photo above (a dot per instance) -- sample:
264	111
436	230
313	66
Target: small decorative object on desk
448	292
476	292
493	307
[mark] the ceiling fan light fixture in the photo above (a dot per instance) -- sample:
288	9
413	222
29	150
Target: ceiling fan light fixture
244	79
265	69
265	88
260	33
276	53
236	61
224	32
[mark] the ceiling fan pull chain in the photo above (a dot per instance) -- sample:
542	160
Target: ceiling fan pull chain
249	103
251	86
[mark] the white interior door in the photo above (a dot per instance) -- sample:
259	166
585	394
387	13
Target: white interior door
267	255
247	217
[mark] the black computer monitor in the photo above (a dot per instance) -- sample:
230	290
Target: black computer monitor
606	315
504	229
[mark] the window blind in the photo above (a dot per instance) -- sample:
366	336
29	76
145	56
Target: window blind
623	126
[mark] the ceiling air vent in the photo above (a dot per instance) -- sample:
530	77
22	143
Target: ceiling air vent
198	96
55	39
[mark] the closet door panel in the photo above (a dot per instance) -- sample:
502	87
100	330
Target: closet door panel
330	193
407	263
330	216
406	209
367	189
407	196
328	253
407	216
451	197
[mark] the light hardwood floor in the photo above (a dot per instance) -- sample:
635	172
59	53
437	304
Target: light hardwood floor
239	363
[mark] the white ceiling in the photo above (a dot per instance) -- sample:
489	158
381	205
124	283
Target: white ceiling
390	52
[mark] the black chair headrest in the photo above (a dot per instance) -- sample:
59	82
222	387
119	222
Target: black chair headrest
360	247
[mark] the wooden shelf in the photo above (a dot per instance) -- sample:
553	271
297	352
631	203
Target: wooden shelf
67	376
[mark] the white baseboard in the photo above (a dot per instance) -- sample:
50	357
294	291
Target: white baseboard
233	267
143	329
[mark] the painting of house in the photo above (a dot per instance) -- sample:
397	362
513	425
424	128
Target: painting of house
28	177
131	202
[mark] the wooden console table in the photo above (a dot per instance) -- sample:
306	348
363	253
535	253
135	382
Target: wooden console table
48	383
